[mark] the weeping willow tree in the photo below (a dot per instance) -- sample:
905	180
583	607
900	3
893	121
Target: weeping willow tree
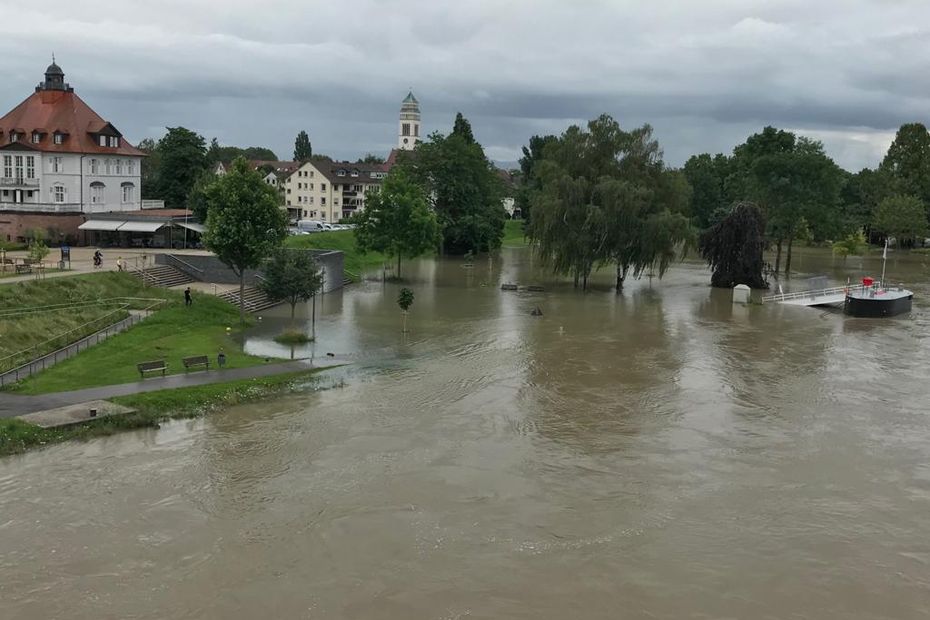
605	197
733	248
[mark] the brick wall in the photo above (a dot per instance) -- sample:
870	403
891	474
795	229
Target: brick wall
56	226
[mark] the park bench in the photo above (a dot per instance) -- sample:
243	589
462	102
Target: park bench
157	366
196	360
24	268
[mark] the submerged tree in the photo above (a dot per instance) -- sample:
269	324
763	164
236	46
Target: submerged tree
901	217
733	248
404	301
293	276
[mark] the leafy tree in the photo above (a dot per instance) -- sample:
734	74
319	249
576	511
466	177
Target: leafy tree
151	167
606	197
908	161
405	300
707	184
861	196
244	223
462	128
293	276
733	248
370	158
529	181
397	220
197	198
854	243
38	250
214	153
465	189
302	149
901	217
182	157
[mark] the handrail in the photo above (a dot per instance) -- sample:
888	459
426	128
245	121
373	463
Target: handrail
123	307
804	294
184	262
76	304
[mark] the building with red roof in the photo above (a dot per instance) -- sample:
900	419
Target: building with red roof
60	161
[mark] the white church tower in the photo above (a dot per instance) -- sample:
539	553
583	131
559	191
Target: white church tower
408	134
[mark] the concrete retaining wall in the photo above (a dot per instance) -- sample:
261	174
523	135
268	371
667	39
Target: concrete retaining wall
212	269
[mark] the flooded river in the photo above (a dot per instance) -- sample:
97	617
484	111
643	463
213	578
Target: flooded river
660	454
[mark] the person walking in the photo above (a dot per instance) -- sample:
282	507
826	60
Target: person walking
98	259
221	358
188	300
119	263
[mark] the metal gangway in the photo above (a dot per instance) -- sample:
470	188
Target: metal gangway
817	297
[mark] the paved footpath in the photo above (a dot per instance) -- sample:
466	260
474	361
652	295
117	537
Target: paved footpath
12	405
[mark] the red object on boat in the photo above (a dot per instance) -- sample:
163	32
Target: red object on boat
867	281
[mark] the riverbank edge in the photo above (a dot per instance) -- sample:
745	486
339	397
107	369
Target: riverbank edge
153	408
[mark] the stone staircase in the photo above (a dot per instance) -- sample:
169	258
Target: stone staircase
162	275
255	299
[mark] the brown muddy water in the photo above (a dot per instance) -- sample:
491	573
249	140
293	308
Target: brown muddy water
660	454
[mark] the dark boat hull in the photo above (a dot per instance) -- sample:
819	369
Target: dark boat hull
877	307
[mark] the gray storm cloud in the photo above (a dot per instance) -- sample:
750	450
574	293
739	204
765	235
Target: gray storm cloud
704	74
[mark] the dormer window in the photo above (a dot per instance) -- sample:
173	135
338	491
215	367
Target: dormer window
355	173
114	141
58	138
36	137
341	173
103	140
14	137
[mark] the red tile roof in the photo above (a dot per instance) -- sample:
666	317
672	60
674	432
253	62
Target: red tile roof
64	112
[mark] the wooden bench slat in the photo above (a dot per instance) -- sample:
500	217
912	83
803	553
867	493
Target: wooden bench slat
196	360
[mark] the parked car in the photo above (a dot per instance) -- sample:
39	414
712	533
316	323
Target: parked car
310	226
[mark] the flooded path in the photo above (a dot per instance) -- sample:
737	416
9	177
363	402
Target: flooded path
661	454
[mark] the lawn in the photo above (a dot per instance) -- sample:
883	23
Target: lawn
26	336
513	234
356	263
152	408
170	334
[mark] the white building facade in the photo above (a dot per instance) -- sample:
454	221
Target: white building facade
59	160
330	191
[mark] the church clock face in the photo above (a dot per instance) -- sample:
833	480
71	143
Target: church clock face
406	140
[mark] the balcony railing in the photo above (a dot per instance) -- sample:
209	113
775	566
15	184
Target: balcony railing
153	204
18	182
41	207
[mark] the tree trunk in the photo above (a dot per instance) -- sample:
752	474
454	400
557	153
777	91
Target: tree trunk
576	279
313	320
405	321
242	296
584	283
778	257
621	276
788	256
398	265
293	310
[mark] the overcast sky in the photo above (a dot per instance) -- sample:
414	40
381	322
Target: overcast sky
704	73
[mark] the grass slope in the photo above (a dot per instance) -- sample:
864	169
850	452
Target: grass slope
344	241
170	334
513	234
34	330
152	408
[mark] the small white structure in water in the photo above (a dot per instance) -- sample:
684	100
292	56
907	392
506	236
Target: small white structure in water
741	294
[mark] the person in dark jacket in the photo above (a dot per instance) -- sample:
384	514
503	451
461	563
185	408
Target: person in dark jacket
188	300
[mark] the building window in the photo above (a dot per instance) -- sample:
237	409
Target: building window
30	167
97	191
36	137
114	141
336	202
416	131
128	192
57	165
322	187
106	165
288	203
19	167
322	202
14	137
58	193
131	167
7	166
119	165
405	129
310	200
94	166
58	138
305	213
103	140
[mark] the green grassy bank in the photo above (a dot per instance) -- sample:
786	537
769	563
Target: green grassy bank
38	333
152	408
344	241
175	332
513	234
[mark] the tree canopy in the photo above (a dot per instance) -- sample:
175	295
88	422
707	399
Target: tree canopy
293	276
181	159
244	222
462	128
901	217
397	220
733	248
606	197
303	151
465	190
907	162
